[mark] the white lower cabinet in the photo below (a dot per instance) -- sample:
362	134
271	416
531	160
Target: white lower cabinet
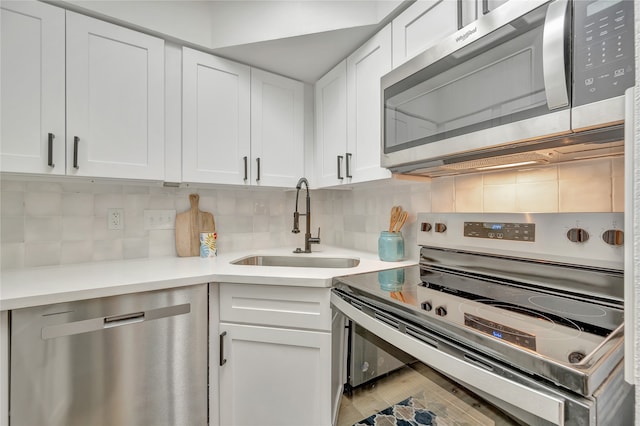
274	355
274	376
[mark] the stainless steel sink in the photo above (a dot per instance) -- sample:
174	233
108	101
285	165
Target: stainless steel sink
298	261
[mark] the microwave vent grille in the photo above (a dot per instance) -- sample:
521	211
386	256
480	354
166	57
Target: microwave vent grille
481	163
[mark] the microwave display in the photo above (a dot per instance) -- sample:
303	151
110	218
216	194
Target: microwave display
603	53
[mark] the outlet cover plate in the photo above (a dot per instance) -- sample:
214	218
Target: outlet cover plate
115	219
159	219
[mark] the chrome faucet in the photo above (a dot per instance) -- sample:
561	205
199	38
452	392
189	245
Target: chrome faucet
308	239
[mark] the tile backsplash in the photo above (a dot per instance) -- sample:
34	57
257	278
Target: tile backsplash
61	223
51	223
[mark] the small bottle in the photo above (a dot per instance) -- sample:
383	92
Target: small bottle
391	246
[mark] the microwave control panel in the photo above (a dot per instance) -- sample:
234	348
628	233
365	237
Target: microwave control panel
603	49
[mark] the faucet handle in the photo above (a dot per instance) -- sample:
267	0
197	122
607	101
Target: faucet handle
315	240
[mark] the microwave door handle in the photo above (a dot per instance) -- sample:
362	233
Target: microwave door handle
553	55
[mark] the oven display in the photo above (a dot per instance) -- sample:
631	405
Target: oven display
501	231
500	331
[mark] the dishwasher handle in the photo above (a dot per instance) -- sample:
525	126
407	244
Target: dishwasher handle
125	319
102	323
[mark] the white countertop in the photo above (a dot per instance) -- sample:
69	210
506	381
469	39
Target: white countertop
63	283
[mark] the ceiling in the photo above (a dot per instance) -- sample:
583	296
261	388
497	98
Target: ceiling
301	39
305	58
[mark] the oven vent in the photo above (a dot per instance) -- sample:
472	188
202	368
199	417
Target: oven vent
420	335
390	321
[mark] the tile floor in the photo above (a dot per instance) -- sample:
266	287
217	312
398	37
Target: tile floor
452	404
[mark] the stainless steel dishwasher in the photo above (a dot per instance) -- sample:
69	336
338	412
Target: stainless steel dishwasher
136	359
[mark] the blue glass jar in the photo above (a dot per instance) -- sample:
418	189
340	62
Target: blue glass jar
391	246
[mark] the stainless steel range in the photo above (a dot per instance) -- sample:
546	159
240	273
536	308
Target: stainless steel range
526	310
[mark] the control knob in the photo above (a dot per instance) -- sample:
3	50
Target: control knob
427	306
577	235
425	227
441	311
576	357
613	237
440	227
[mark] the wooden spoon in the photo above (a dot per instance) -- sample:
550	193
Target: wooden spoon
401	220
395	215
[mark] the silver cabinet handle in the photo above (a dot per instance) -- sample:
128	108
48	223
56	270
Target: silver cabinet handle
101	323
553	55
258	164
50	151
349	165
223	360
340	157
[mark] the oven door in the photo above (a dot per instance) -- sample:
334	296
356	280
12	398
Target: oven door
507	82
519	394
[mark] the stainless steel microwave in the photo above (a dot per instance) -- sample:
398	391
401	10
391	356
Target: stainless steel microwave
531	82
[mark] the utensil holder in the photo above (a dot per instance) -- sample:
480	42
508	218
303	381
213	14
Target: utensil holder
391	246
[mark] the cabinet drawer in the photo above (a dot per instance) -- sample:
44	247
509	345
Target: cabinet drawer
281	306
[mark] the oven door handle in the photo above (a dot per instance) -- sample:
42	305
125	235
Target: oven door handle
554	54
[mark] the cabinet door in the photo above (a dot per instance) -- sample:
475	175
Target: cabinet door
421	25
331	126
32	70
216	117
277	129
274	377
469	11
115	101
364	69
487	6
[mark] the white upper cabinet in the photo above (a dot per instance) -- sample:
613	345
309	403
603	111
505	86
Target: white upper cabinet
277	129
426	22
114	113
331	126
115	101
473	9
348	115
216	119
365	67
422	25
240	125
33	103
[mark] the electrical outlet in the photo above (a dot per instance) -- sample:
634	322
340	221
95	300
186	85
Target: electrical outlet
115	219
159	219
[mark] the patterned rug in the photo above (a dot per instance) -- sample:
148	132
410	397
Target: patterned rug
405	413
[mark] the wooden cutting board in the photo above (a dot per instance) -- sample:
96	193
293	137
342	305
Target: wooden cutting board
189	225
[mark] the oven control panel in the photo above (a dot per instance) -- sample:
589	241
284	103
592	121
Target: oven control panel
501	230
501	331
590	239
